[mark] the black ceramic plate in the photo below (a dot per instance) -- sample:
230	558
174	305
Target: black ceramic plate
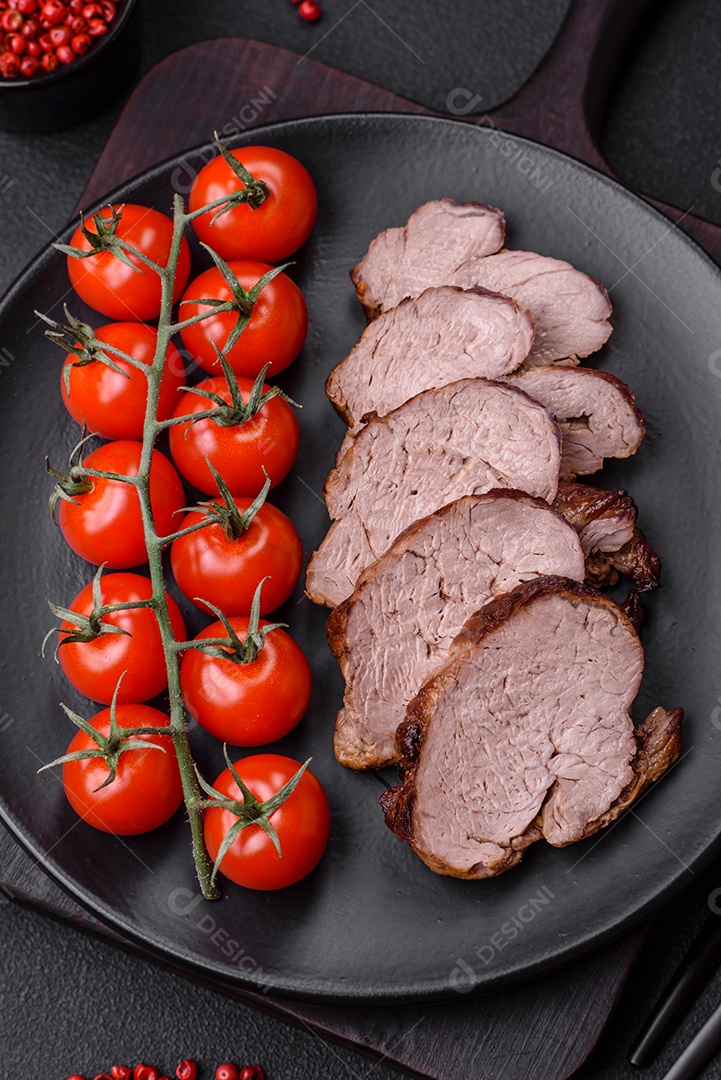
372	924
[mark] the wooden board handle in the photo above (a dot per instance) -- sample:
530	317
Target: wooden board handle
563	102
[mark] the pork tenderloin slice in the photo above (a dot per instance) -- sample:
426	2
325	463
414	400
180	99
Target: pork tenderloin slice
460	439
658	741
571	309
445	243
596	413
400	623
439	238
606	522
526	732
443	335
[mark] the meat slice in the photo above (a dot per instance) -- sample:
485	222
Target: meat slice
400	623
443	335
526	732
439	239
596	413
449	244
461	439
611	540
570	308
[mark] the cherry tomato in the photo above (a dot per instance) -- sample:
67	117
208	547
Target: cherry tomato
111	286
268	440
94	667
104	525
247	704
274	335
277	227
302	824
146	790
113	405
211	565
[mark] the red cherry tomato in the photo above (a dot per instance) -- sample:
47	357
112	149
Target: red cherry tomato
274	335
268	440
225	571
302	824
247	704
277	227
111	286
94	667
104	525
113	405
146	790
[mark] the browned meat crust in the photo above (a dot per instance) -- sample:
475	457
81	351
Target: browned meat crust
611	540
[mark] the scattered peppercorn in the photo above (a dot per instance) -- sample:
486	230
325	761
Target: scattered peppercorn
187	1070
310	10
226	1071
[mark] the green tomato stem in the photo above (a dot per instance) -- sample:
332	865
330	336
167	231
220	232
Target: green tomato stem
191	418
229	305
165	540
178	726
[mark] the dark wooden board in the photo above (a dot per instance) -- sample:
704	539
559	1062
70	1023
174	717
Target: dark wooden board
547	1027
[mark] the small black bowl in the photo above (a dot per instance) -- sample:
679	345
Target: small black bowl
69	95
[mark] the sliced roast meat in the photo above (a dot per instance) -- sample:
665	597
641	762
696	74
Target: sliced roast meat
596	413
446	243
526	732
441	336
611	540
570	308
400	623
440	246
461	439
440	238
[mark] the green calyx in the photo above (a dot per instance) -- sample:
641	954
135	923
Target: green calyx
249	811
233	648
108	747
86	627
105	238
79	340
253	192
72	483
243	300
226	514
238	411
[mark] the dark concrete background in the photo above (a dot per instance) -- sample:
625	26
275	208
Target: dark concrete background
69	1003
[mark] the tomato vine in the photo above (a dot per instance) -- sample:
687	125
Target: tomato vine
103	241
